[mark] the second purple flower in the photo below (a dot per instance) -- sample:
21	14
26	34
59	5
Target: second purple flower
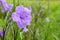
6	7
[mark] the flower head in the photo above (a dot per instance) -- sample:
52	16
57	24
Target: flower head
1	32
47	20
6	7
42	10
25	29
22	17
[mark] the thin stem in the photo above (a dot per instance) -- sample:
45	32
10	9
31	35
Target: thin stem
3	34
18	3
34	32
15	34
46	34
14	5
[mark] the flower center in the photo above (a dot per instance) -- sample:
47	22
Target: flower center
21	17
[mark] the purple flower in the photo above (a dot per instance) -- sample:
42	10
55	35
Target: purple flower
1	33
6	7
25	29
22	17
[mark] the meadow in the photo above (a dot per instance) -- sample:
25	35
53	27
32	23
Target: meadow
45	24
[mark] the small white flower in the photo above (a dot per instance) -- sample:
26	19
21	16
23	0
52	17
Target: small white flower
42	10
47	20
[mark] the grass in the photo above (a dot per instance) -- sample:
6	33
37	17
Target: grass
39	28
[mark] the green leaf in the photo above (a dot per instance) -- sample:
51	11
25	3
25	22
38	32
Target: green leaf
18	35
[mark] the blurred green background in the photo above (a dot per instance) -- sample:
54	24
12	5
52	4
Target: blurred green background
39	29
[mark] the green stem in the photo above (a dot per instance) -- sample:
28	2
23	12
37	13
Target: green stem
14	5
18	2
34	33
